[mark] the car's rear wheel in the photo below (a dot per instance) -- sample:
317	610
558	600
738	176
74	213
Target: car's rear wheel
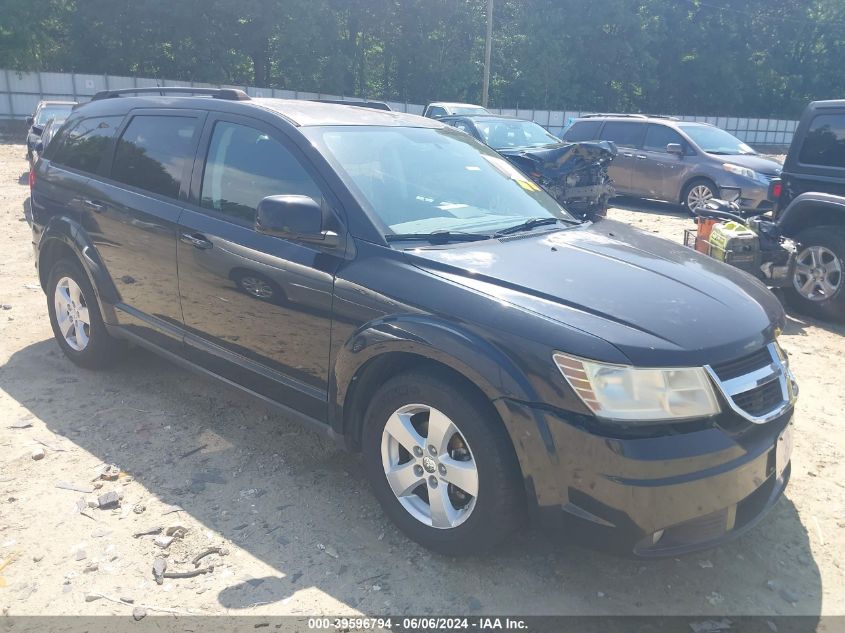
76	319
441	464
698	193
818	287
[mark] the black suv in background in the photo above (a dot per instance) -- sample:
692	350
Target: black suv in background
810	208
398	283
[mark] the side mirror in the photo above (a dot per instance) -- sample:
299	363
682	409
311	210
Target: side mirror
29	121
675	148
37	130
39	147
297	218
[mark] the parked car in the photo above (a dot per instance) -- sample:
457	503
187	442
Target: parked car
47	135
492	359
575	174
443	108
661	158
45	111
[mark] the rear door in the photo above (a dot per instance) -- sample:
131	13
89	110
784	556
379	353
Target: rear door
628	136
135	212
257	307
660	174
819	163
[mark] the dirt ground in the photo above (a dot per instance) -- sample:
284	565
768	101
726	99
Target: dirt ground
301	531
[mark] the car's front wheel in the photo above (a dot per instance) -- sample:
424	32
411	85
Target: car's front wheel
818	287
698	193
441	464
75	317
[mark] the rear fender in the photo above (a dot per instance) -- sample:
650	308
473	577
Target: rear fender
810	210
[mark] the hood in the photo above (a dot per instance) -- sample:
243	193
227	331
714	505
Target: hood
760	164
659	303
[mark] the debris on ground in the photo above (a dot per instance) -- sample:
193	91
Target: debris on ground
159	567
715	598
789	596
38	453
710	626
705	564
190	573
139	508
109	472
66	485
91	597
163	541
328	549
91	567
139	613
221	551
109	500
21	424
149	531
176	531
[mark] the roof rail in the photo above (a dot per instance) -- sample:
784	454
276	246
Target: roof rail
375	105
630	116
229	94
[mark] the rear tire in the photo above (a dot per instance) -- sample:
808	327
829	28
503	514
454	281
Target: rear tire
818	287
76	318
485	505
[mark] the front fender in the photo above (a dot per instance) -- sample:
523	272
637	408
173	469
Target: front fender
811	209
70	234
435	339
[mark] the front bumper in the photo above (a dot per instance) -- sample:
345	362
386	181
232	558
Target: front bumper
753	194
649	496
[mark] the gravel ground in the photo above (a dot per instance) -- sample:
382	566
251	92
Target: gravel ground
301	531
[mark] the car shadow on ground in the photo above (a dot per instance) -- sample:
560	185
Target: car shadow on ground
654	207
299	505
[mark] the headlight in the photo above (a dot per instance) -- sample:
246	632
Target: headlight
740	171
622	392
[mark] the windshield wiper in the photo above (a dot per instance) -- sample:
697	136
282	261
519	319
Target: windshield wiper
532	223
438	237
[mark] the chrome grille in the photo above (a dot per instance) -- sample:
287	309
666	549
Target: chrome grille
758	386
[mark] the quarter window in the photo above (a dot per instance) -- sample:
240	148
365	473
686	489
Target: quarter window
825	141
657	137
245	165
623	133
152	153
84	145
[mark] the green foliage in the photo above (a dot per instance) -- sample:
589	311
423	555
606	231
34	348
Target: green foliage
739	57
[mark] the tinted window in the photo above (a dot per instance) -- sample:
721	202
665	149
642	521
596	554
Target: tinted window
435	112
152	152
825	141
245	165
84	145
582	131
657	137
623	133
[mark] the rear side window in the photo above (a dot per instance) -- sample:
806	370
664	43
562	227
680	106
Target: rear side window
245	165
152	152
825	141
657	137
582	131
84	145
623	133
436	112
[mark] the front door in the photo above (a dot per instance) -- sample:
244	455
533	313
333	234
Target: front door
257	308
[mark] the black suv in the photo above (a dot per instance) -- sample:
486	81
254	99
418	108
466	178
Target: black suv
401	285
810	208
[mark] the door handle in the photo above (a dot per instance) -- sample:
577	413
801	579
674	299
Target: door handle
196	240
96	207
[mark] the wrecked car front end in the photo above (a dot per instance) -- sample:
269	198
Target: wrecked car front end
575	174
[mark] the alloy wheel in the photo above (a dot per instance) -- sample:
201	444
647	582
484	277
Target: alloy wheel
429	466
818	273
257	287
72	314
699	196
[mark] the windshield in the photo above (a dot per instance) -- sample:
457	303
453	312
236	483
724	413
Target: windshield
715	141
420	180
52	112
505	133
469	110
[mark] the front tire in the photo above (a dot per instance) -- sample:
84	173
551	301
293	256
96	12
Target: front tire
818	287
698	193
441	464
76	318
